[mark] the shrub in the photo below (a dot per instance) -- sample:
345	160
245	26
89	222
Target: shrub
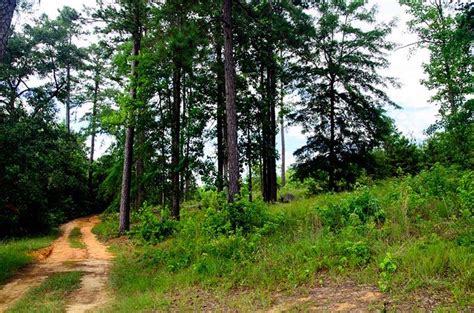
361	208
466	193
211	199
241	215
355	253
387	269
151	228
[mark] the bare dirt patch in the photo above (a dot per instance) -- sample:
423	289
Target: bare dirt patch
93	260
346	297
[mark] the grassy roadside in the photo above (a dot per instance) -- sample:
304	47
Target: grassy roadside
413	238
75	238
14	253
51	295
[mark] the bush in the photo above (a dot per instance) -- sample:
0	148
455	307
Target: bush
151	228
355	253
241	215
466	193
361	208
211	199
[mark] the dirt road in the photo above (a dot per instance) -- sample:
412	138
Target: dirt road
93	260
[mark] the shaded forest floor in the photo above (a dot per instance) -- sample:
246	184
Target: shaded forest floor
74	278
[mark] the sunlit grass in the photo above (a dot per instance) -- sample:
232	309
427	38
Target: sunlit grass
50	295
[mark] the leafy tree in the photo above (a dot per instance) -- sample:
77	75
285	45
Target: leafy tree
342	103
397	156
448	35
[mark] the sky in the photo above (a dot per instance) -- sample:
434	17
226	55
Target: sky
416	113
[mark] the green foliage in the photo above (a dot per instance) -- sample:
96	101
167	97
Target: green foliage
387	268
108	227
418	246
51	295
360	208
211	198
466	194
14	253
150	228
43	174
398	156
342	108
355	253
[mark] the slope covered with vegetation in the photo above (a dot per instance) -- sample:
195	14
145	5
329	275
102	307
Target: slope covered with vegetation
412	237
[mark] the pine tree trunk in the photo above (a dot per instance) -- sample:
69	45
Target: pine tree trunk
332	154
126	180
139	169
220	119
232	149
283	165
7	7
175	142
249	161
93	132
272	177
128	149
68	98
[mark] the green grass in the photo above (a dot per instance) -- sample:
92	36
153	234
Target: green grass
14	253
427	236
51	295
108	228
75	238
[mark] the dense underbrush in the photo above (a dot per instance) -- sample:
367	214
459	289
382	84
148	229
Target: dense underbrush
403	235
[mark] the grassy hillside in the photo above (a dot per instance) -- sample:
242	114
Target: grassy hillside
411	238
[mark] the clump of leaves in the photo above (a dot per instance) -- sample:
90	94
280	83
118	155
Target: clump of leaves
387	268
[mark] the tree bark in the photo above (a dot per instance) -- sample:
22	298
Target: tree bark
220	118
271	153
68	98
175	142
7	7
332	153
128	149
139	169
232	149
282	131
249	161
93	132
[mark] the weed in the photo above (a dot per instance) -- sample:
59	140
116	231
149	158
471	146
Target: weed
387	269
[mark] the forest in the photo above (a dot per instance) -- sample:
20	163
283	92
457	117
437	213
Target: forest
193	204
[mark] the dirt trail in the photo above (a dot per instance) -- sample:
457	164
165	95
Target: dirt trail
94	261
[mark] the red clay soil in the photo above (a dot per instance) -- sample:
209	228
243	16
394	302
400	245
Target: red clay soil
93	261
